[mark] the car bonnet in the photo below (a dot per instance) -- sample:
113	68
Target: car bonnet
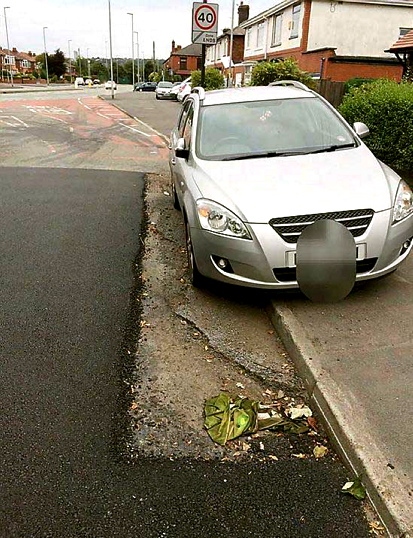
260	189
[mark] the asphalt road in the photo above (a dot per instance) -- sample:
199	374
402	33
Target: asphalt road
70	242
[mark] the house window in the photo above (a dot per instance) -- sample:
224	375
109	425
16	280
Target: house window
9	60
276	30
295	21
260	35
404	31
182	63
25	63
248	38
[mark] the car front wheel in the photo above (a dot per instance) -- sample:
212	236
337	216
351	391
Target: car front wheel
197	280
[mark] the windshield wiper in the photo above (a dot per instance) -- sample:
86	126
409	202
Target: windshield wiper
263	155
333	147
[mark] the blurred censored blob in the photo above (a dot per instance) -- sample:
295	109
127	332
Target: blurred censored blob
326	261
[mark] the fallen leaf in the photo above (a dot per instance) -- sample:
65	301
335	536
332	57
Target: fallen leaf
272	457
312	422
376	528
355	488
320	451
280	394
134	405
299	456
299	412
240	385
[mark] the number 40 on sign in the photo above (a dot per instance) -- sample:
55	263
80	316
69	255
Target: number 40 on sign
204	22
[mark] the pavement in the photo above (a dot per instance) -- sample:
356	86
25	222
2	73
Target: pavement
355	358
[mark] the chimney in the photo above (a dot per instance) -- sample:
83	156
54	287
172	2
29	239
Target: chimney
243	12
173	45
14	49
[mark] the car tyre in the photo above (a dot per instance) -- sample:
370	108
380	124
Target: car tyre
175	197
197	280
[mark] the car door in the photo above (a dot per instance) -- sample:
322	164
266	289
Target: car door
179	165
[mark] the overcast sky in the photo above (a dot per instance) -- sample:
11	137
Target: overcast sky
86	23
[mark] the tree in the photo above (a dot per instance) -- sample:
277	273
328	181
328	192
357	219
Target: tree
56	63
214	79
265	72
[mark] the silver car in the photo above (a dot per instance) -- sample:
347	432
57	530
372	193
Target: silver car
252	167
162	90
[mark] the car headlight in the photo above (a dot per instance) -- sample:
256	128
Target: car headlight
216	218
403	203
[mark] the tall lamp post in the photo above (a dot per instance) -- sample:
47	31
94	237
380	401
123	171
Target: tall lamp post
88	63
133	56
45	55
137	56
110	50
8	45
70	60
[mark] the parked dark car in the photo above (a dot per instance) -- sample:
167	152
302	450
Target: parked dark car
145	87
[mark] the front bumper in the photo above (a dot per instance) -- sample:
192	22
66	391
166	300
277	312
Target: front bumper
255	263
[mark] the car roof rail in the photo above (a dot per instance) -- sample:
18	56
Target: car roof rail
294	83
200	91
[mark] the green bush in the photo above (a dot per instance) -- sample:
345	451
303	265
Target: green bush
214	79
386	107
356	82
265	72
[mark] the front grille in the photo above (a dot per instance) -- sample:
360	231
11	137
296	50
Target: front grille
289	274
289	228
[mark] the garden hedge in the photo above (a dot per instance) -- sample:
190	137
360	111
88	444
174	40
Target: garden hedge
386	107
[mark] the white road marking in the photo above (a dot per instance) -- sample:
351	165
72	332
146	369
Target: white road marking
47	109
136	130
15	122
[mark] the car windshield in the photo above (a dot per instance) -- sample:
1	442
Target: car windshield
269	128
164	84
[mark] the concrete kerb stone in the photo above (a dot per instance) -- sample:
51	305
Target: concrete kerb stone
348	430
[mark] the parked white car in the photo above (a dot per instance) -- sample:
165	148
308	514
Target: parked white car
184	91
109	84
176	88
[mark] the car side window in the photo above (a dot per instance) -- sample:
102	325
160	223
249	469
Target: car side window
182	118
187	127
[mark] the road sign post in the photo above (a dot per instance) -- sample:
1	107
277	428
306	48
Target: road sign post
204	23
204	28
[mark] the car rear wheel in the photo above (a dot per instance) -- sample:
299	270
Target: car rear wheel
197	280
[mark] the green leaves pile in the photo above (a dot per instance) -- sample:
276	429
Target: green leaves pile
227	418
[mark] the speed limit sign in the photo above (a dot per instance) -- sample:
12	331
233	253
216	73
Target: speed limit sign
204	23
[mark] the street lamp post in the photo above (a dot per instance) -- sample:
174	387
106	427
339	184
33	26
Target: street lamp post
110	49
45	55
70	61
137	55
88	63
8	45
133	55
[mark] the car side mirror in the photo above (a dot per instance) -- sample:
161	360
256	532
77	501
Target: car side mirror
180	150
361	129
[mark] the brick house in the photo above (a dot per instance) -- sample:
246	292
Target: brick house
182	61
331	39
17	62
218	55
